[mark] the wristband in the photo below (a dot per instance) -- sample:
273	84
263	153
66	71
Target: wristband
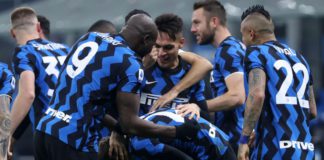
244	139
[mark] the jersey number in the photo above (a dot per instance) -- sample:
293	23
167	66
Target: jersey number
80	64
51	69
281	97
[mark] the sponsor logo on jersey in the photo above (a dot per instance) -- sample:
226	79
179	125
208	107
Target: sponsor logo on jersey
58	114
149	99
297	144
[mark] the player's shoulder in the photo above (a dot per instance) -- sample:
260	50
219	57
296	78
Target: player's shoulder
231	46
234	43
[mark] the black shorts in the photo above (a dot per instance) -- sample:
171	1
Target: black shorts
50	148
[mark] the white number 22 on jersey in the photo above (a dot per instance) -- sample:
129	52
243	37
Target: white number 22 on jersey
281	97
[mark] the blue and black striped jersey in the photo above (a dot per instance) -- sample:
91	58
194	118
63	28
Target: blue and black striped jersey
210	142
45	59
98	66
158	81
7	80
283	128
228	60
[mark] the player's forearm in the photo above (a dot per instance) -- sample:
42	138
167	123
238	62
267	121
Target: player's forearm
254	103
5	125
312	103
20	109
252	112
136	126
199	68
109	121
226	101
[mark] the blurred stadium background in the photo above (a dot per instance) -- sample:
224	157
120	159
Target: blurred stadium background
299	23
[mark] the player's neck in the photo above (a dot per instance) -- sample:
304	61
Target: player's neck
221	34
23	39
267	39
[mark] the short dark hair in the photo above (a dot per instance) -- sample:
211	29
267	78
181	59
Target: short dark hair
103	26
44	24
214	9
135	11
170	24
256	9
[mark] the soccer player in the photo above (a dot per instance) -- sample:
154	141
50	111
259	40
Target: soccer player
37	63
44	34
45	26
227	78
209	143
103	26
199	68
101	71
169	69
7	85
281	100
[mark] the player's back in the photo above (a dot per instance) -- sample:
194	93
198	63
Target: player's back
283	128
7	80
44	58
210	142
97	66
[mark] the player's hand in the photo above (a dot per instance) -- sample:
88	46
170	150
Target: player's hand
252	140
117	147
188	130
164	100
150	59
243	152
191	108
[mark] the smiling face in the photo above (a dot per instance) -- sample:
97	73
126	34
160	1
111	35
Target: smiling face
201	28
168	50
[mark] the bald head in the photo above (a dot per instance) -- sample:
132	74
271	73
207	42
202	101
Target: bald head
143	24
140	33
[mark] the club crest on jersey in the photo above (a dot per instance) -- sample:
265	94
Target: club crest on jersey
149	99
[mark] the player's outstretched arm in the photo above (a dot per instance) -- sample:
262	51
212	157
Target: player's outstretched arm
5	125
312	103
24	99
254	103
199	68
128	106
235	95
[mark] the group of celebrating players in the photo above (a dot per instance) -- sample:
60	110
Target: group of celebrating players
136	95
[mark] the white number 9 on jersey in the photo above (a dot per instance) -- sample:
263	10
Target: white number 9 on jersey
80	64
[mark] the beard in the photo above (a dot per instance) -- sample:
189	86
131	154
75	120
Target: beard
207	37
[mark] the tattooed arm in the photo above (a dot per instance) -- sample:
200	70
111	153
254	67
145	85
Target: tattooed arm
254	103
5	125
312	103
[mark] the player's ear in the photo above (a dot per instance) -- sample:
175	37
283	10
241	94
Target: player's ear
252	34
181	41
38	28
12	32
214	21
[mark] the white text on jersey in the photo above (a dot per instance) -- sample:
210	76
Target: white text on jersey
297	144
58	114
